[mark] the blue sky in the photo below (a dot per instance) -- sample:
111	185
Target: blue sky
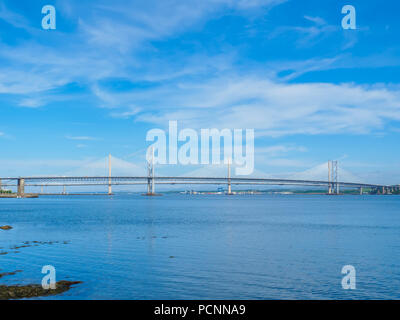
112	70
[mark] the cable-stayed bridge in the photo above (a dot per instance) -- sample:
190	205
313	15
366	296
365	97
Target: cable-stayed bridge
332	183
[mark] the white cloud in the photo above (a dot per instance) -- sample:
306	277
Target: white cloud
132	111
31	102
274	108
70	167
320	173
316	20
279	149
124	27
309	34
100	45
12	18
99	167
200	91
81	138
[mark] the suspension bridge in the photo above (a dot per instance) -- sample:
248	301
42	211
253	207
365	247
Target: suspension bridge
332	184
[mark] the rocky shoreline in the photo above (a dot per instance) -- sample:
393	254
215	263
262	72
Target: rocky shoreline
8	292
34	290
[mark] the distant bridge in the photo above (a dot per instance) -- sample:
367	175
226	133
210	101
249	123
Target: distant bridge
332	186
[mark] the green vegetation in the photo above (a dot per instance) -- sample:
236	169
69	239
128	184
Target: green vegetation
5	191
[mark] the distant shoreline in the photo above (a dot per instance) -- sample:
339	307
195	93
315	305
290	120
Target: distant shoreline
14	195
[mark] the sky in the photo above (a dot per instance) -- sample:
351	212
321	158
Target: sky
113	70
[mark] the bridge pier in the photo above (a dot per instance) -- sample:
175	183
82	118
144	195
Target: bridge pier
361	191
21	187
150	176
334	188
229	178
333	183
150	187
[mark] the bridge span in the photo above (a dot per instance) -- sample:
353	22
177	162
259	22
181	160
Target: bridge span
332	184
333	187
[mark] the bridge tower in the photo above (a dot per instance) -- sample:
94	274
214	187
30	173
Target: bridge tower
21	187
335	168
150	174
333	184
229	178
109	175
329	177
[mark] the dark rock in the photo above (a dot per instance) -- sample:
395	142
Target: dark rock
9	273
34	290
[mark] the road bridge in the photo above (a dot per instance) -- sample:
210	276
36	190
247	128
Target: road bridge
332	184
22	182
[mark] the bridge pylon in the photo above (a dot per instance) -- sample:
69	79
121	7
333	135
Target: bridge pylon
150	175
21	188
333	183
229	178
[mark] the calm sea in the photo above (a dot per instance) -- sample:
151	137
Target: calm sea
205	246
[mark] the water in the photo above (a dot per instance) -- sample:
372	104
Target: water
206	246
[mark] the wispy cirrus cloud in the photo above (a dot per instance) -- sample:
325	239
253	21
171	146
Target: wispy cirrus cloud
81	138
273	108
15	19
309	34
132	111
107	42
117	41
276	150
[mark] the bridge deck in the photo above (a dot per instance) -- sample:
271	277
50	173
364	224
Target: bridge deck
98	180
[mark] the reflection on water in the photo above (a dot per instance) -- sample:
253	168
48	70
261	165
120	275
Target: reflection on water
206	247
